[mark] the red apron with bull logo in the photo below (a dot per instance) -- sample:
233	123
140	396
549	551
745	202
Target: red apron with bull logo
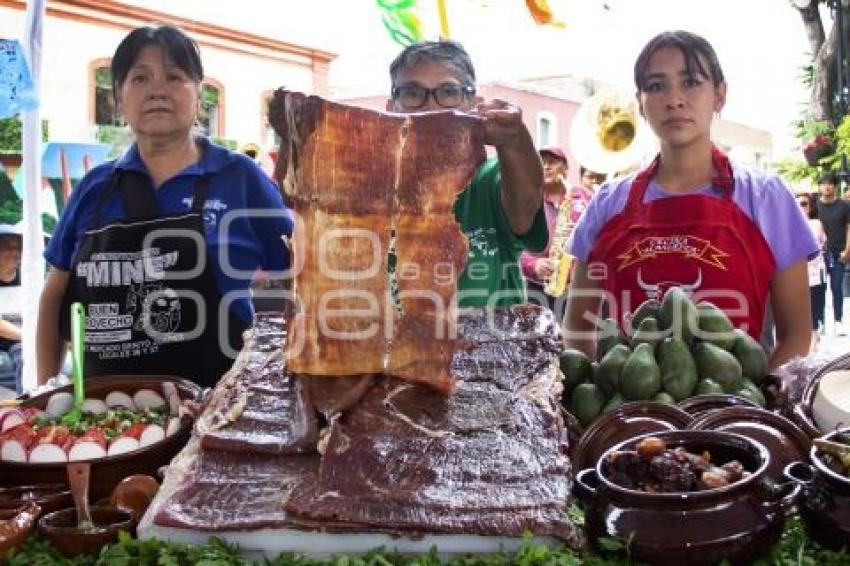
707	246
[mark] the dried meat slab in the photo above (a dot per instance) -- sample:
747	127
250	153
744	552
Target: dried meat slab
258	406
483	461
228	491
357	178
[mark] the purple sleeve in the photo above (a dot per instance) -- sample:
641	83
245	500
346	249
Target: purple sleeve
772	206
607	202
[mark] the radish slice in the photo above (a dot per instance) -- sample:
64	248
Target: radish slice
47	453
11	419
122	445
119	399
154	433
170	392
59	403
13	451
86	450
94	406
148	399
173	426
33	412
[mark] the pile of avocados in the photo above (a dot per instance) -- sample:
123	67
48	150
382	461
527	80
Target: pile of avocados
676	349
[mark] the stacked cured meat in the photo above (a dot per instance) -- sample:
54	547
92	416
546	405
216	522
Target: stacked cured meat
358	182
476	469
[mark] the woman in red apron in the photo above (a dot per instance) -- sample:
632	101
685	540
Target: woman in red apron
732	236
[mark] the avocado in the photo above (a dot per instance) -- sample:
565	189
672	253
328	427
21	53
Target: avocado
607	376
586	403
714	326
647	333
608	336
678	369
753	395
707	387
613	402
751	356
718	364
576	368
751	391
648	308
640	378
665	398
678	314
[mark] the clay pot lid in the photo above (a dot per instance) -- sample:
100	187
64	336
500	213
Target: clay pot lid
626	421
783	439
699	405
135	493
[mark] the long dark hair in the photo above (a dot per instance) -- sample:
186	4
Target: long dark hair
692	47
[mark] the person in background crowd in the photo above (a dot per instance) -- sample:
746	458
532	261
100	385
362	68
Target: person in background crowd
834	215
817	267
144	243
728	234
537	268
591	180
501	210
10	332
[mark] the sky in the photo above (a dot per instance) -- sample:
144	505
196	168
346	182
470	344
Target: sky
761	44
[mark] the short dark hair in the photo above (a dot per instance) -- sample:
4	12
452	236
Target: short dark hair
445	52
692	47
828	177
177	46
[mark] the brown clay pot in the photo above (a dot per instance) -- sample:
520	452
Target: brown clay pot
48	497
825	501
60	528
107	472
738	522
802	412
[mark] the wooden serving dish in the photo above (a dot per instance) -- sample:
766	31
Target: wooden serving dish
106	472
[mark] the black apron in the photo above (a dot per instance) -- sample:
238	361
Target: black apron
150	310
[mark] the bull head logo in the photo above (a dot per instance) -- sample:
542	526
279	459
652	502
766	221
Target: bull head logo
656	290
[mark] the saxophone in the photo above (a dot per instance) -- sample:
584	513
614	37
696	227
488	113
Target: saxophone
556	284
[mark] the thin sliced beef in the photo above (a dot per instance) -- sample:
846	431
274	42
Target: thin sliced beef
258	406
229	491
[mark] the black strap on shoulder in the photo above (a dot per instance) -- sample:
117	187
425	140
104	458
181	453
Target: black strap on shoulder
138	195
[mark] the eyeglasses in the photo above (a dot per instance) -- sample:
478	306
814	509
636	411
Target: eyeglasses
447	95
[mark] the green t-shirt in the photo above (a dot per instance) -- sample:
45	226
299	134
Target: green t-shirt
494	249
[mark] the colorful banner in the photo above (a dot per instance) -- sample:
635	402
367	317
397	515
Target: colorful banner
16	87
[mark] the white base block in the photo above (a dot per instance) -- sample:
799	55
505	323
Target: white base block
271	542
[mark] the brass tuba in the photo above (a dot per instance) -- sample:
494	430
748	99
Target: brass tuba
607	135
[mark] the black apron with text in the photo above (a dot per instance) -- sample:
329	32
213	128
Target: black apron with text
151	301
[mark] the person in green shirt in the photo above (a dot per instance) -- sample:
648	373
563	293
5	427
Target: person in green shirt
501	210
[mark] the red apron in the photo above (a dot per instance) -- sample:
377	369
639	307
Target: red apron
707	246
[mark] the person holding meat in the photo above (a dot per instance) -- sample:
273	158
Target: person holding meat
160	245
727	234
501	210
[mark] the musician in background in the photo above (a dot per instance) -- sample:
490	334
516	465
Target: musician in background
540	268
730	235
501	210
591	180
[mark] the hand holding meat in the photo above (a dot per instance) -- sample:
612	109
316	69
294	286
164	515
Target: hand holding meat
503	126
